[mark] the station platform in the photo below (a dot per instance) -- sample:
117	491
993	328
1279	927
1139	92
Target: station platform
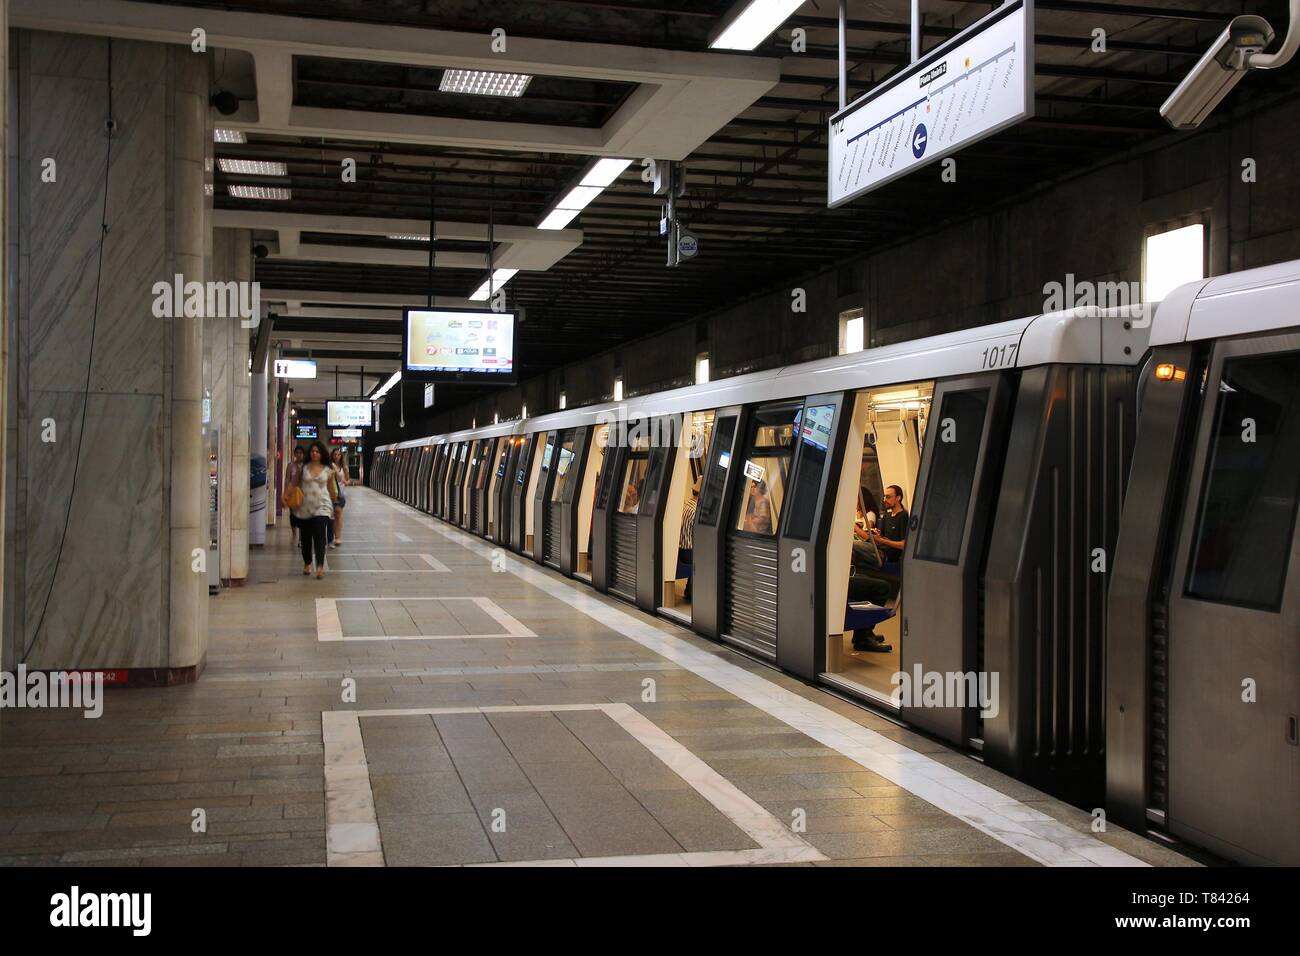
502	714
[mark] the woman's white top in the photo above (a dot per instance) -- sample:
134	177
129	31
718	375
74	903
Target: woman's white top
316	501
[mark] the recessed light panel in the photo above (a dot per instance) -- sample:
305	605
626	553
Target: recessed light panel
252	167
228	136
259	192
481	83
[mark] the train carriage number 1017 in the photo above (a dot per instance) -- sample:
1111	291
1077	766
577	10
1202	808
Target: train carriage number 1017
1001	356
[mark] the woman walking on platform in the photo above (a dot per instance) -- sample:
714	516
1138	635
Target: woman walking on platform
340	466
319	492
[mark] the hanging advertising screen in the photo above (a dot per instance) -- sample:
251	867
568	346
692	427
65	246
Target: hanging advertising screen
458	345
347	414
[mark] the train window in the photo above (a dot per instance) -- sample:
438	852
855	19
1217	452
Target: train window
485	466
815	436
606	479
952	476
521	475
657	459
562	468
502	455
711	491
766	465
1252	482
547	452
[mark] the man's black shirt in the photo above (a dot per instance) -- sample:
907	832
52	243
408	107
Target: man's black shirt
893	527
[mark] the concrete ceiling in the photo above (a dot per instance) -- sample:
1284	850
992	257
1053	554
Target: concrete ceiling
322	80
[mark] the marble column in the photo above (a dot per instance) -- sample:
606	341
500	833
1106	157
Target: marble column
257	447
109	469
6	630
228	378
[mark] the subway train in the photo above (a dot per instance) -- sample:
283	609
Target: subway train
1098	584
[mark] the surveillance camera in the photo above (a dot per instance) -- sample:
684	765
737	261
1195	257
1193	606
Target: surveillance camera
260	251
1217	72
227	103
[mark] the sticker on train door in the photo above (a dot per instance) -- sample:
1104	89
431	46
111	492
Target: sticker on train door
756	472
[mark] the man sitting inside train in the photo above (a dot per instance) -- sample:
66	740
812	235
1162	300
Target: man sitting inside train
890	533
875	543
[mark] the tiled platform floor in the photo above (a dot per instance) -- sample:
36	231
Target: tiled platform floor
317	737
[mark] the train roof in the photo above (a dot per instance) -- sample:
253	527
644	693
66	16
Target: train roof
1089	336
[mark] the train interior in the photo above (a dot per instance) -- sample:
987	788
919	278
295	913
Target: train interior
883	455
683	496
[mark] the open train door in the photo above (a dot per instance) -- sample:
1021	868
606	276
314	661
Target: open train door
955	498
1233	658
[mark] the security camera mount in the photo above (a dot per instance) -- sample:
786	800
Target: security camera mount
1234	53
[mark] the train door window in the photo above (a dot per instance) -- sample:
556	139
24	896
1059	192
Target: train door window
710	504
766	464
1247	512
952	476
605	481
547	452
503	455
521	473
635	466
814	440
563	466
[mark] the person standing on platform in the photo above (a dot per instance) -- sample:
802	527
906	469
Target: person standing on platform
319	492
290	479
340	466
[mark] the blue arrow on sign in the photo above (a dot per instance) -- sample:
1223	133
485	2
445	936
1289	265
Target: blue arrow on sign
919	139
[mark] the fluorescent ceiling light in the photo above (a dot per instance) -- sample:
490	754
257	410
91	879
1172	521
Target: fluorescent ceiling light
383	389
252	167
901	395
558	219
220	135
499	278
605	172
481	83
754	24
411	238
578	197
259	192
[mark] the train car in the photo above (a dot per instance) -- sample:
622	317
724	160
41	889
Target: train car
1062	543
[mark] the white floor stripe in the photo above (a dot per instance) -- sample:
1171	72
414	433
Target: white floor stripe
329	626
352	826
1004	818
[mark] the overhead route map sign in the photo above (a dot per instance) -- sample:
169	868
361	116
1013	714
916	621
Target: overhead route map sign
979	82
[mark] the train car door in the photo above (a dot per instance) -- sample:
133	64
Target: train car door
497	468
592	477
715	491
1233	698
519	494
557	466
955	499
602	512
535	495
486	459
634	462
457	480
820	431
505	489
435	480
568	484
751	553
665	439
